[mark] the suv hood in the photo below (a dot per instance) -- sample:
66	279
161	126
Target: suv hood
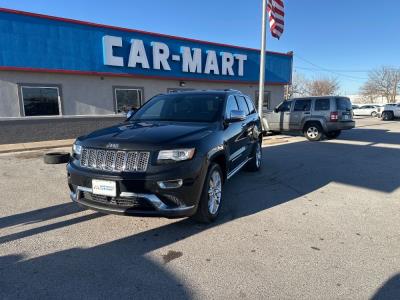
147	135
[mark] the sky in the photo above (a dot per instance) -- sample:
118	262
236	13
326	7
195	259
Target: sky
343	39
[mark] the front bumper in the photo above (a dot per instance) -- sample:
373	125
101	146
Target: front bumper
139	194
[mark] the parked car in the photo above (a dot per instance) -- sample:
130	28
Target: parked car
391	111
366	110
170	158
314	116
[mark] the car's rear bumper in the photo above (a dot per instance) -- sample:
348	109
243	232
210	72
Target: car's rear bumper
334	126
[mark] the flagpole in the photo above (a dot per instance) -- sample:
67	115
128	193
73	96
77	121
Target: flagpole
262	60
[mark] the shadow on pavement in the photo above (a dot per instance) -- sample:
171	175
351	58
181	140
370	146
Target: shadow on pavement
390	290
121	268
372	136
40	215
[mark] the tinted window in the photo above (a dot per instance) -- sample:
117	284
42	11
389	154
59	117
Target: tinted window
267	99
242	104
322	104
40	101
343	104
250	105
284	106
182	107
230	105
127	99
302	105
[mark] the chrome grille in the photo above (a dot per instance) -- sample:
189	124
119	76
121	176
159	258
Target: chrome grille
114	161
120	160
131	161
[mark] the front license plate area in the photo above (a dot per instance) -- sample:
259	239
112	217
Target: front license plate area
104	188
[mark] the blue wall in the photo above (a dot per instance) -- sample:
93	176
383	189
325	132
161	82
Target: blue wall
37	42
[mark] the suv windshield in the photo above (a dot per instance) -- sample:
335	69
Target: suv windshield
343	104
182	108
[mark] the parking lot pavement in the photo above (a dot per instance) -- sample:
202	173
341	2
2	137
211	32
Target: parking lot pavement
321	220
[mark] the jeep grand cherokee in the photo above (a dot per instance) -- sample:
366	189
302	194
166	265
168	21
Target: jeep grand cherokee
170	158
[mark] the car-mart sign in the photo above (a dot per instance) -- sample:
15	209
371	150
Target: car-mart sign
192	60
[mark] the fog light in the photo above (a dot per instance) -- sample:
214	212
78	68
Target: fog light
170	184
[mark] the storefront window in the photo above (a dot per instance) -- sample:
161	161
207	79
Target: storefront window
267	99
40	101
127	98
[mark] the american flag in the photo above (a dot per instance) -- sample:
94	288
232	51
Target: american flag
276	13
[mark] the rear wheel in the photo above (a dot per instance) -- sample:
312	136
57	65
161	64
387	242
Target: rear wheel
313	132
256	159
211	196
333	134
387	115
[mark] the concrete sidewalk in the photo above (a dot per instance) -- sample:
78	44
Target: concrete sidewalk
7	148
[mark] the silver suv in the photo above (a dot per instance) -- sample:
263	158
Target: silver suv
314	116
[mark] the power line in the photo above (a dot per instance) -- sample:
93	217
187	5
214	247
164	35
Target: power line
335	70
330	71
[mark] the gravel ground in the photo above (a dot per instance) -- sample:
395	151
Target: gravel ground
320	221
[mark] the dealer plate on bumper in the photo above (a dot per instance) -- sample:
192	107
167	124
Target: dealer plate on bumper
104	188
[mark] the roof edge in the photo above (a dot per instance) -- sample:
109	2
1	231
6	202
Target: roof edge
92	24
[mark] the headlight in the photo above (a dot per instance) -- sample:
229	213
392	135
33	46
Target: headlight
77	149
176	154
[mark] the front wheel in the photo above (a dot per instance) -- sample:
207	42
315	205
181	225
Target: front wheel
255	162
333	134
313	132
211	196
374	114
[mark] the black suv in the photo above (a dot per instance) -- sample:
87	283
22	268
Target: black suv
170	158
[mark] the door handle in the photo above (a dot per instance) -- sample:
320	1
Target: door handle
306	113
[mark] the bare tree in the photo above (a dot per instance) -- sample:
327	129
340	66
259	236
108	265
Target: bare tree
322	87
298	87
384	82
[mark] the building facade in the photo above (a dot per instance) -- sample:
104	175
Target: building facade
62	77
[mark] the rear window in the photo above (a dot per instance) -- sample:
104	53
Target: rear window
343	104
322	104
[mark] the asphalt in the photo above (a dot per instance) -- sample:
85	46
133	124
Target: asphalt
320	221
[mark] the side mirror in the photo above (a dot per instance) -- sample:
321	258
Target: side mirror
237	116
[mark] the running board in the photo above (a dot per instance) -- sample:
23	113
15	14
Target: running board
237	169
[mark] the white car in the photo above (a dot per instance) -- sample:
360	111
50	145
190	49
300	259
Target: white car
366	110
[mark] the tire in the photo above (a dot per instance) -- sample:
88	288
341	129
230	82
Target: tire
333	134
209	207
53	158
374	114
255	163
387	116
313	132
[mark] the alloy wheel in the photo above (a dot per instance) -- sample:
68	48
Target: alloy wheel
312	132
258	155
214	192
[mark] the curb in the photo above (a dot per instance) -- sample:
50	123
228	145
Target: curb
8	148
